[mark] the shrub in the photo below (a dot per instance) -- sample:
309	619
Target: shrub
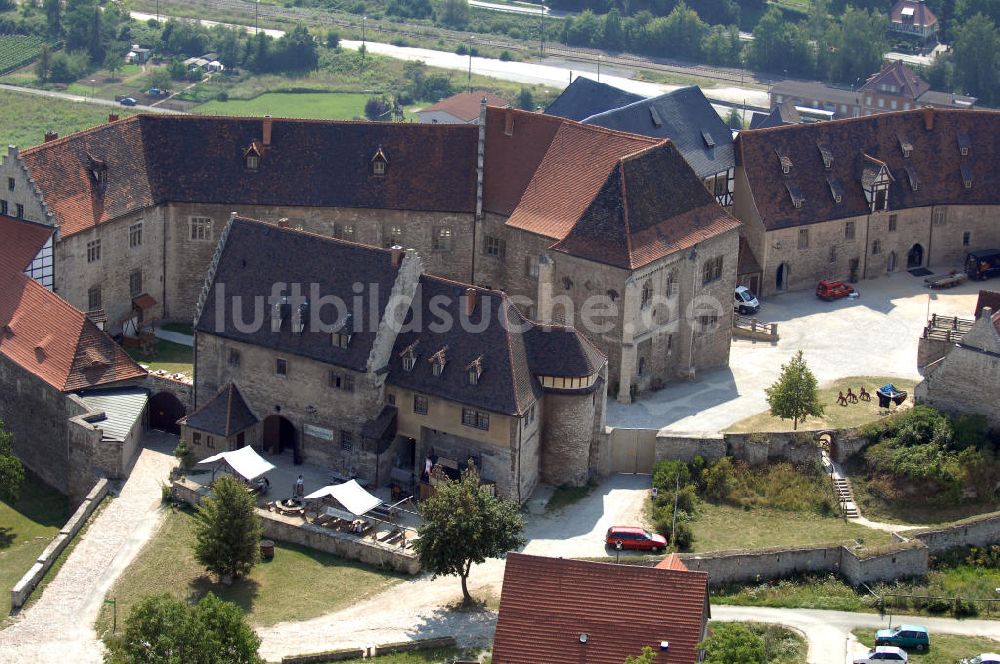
718	479
184	454
505	56
666	475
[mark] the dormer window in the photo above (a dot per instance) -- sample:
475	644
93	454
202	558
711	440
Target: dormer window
280	311
911	175
786	162
341	339
379	163
98	170
835	189
827	154
409	356
875	180
966	176
475	370
438	361
301	315
964	144
707	137
906	147
796	195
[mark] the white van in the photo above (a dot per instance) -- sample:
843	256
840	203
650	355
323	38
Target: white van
745	302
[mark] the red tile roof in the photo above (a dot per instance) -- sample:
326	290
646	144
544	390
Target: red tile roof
21	241
511	160
922	15
46	336
672	561
547	603
465	105
899	75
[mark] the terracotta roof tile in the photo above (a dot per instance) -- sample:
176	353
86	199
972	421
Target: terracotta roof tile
547	603
922	15
511	160
465	105
899	75
21	241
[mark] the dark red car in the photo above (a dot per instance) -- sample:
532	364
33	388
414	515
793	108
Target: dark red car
635	538
832	290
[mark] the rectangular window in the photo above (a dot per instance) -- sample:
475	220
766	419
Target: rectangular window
196	438
343	231
833	253
893	218
10	184
496	247
94	299
803	238
392	235
135	234
281	367
93	251
201	228
210	442
939	217
531	267
346	440
234	357
876	247
712	270
341	339
348	383
3	207
849	230
135	283
20	211
721	187
335	380
442	239
476	419
419	404
966	238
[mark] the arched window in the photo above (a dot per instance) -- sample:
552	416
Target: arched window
647	294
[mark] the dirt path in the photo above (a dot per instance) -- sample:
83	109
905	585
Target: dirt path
59	626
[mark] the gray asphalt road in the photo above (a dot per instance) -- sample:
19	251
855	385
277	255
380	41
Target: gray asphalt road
87	100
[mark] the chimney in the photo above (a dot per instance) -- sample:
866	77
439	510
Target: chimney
51	136
470	301
266	137
929	118
396	252
112	117
508	121
986	312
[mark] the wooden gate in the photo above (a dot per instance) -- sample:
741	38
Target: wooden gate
633	451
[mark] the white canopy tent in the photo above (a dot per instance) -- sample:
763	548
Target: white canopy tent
349	494
245	462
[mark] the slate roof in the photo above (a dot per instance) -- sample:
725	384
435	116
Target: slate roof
561	351
585	97
152	159
20	241
783	114
988	298
226	414
122	408
935	160
47	337
547	603
685	117
256	255
465	105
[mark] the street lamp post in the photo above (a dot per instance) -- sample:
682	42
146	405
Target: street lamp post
256	17
364	25
93	88
599	68
470	64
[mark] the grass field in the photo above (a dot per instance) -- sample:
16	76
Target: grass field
181	328
27	117
429	656
298	582
26	527
170	357
945	648
320	106
722	527
834	416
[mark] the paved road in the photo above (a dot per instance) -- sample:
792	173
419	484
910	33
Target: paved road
84	100
58	628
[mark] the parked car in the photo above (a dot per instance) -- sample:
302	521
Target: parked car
833	290
985	658
982	264
883	654
127	101
635	538
744	301
904	636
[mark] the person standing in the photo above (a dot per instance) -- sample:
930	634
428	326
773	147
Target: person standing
299	490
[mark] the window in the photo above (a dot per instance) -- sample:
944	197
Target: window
346	438
712	270
210	442
849	230
409	361
893	218
94	298
3	207
803	238
647	295
343	231
708	322
721	187
392	235
378	167
419	404
473	376
642	366
671	282
93	251
196	438
20	211
531	267
833	253
939	217
881	103
234	357
442	239
496	247
966	238
135	283
876	247
135	234
253	161
892	104
341	339
348	383
10	184
476	419
201	228
281	367
391	398
437	368
334	380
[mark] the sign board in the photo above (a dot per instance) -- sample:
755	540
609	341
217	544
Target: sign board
317	432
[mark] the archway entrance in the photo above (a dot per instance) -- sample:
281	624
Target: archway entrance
916	256
279	434
890	263
781	277
164	411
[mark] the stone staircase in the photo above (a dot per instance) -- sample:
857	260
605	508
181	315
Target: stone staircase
842	488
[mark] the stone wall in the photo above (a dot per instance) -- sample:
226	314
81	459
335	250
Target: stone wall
904	560
948	384
182	389
22	589
569	426
982	530
794	447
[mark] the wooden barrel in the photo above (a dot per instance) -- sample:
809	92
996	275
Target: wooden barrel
266	549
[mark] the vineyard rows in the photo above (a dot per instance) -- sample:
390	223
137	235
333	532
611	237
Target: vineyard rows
18	50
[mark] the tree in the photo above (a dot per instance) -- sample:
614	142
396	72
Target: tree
734	120
44	66
163	630
977	45
734	643
53	17
228	530
11	470
858	44
378	108
455	13
526	100
794	394
113	63
779	46
648	656
465	524
612	37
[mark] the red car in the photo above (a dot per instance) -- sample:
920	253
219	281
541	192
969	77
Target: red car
635	538
832	290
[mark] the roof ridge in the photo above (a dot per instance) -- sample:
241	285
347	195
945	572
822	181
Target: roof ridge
446	280
625	215
89	130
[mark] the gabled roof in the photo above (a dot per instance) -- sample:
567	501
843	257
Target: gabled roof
650	205
859	144
585	97
900	76
47	337
783	114
548	603
226	414
465	105
685	117
922	15
20	241
987	298
516	143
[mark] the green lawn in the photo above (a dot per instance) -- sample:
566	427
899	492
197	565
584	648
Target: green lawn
330	106
26	527
834	416
945	648
298	582
27	117
171	357
722	527
181	328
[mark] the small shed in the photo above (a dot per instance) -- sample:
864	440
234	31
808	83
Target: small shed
226	422
120	414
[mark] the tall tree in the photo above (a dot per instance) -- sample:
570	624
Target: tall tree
613	38
465	524
44	65
977	50
11	470
228	530
53	17
455	13
858	45
794	395
779	46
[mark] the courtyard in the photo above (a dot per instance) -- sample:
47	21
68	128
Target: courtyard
876	333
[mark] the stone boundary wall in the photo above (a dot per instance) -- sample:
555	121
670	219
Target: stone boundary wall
792	446
982	530
295	531
22	590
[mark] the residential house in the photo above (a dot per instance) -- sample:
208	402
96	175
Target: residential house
585	97
913	18
563	611
462	108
